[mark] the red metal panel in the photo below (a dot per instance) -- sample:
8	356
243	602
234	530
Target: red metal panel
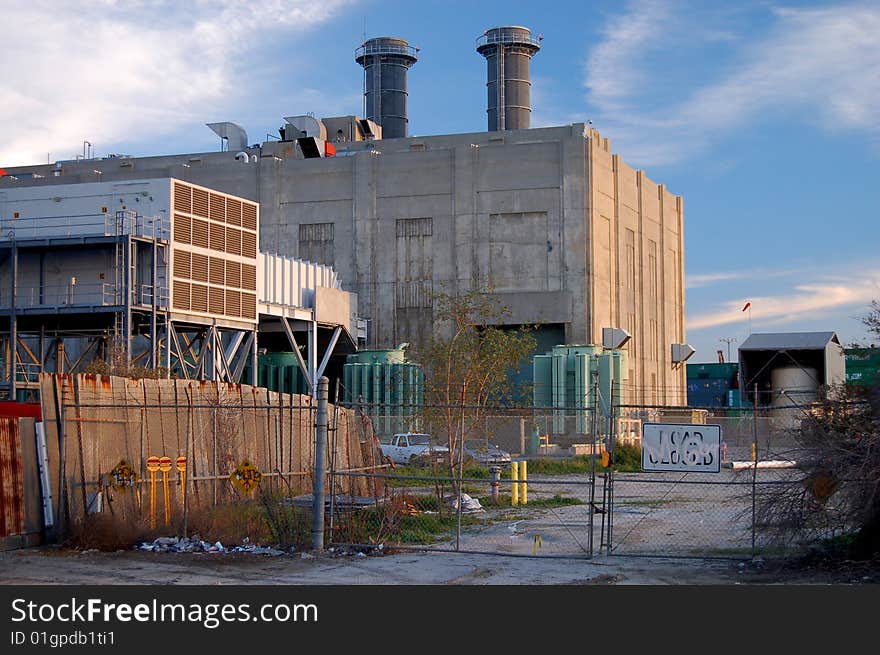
30	410
11	486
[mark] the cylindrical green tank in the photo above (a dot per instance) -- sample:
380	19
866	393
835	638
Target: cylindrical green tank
564	379
389	388
279	371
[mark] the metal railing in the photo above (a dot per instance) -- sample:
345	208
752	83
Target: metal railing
55	227
143	295
54	295
508	37
386	49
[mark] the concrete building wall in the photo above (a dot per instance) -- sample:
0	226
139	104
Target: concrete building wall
565	231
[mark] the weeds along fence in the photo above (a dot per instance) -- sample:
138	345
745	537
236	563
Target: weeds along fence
221	443
572	502
513	489
754	503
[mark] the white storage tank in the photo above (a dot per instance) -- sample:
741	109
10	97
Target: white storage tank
800	385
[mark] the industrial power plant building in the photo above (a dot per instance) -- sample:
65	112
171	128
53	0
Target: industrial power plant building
565	233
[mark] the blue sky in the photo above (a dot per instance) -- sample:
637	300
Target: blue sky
765	116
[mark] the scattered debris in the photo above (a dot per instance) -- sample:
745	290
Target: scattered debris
194	544
468	505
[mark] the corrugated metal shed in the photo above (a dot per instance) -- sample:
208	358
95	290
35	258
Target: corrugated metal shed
789	341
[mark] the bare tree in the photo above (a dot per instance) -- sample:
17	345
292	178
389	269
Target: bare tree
839	492
467	364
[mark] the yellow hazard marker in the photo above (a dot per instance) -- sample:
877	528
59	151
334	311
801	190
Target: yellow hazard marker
538	542
152	467
165	466
246	477
524	487
123	476
181	468
514	487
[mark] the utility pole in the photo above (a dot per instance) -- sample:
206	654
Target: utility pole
728	341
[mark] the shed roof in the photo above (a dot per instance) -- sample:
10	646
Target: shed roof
789	341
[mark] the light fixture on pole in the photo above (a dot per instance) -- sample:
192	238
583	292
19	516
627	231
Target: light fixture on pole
728	341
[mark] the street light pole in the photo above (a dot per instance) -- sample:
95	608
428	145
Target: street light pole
728	341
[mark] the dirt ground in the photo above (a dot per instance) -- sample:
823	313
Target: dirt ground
60	566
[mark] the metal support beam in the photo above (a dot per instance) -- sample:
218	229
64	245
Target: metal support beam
243	352
313	358
254	360
13	325
299	358
329	351
154	339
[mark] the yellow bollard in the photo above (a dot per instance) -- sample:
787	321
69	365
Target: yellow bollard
514	487
164	467
754	453
538	542
524	488
152	467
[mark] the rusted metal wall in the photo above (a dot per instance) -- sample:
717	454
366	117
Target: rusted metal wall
11	483
215	425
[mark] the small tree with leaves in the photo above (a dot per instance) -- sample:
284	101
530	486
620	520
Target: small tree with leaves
466	363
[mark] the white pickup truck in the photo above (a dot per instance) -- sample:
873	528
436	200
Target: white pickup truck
412	448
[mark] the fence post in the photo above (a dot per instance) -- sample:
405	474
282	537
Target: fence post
321	422
754	469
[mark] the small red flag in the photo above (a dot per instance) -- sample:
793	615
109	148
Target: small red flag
748	304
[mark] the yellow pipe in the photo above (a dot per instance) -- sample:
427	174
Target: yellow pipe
524	488
514	488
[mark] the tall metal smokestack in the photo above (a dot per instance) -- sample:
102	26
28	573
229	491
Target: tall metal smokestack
508	51
386	61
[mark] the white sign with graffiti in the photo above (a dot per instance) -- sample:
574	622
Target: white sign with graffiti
680	447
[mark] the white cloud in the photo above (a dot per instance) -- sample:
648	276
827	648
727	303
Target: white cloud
818	65
614	65
107	69
810	300
700	280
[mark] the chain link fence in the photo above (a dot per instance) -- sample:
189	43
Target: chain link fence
238	463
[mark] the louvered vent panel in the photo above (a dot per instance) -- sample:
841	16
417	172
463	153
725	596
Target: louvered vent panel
233	274
181	264
181	295
249	244
199	298
217	208
216	304
216	272
249	216
182	198
233	211
249	277
200	233
182	229
218	237
199	267
200	203
248	305
233	241
233	303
